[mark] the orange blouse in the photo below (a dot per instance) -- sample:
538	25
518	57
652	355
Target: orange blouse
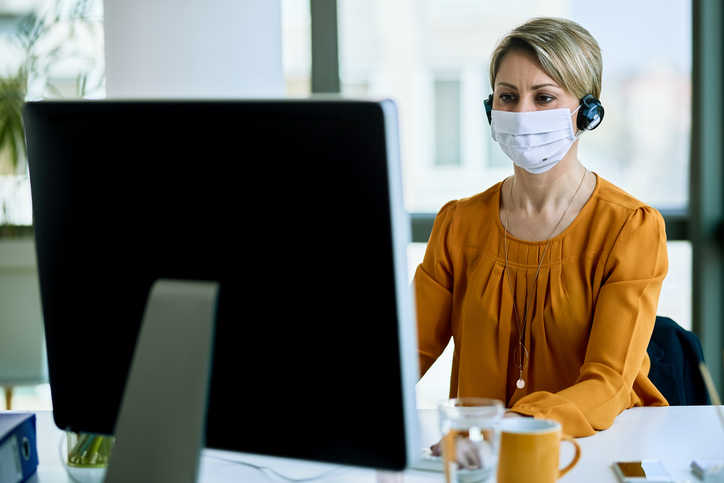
590	319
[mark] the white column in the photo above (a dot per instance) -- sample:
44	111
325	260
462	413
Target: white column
192	49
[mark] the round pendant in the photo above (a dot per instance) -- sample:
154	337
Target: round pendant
520	383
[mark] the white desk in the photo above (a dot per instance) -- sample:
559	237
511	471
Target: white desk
675	435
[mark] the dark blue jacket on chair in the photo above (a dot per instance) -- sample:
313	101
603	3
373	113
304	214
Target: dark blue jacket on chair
675	354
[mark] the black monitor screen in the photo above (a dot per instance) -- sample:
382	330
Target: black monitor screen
285	203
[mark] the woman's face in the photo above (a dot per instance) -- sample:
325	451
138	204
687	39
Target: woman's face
521	85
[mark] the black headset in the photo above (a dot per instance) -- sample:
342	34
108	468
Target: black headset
589	116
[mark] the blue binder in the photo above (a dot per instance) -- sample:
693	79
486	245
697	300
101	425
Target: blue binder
18	451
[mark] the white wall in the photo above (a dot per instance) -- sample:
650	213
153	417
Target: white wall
192	49
22	345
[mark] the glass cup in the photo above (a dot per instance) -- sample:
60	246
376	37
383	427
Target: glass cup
87	450
470	438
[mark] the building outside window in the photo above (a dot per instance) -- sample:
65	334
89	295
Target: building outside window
447	123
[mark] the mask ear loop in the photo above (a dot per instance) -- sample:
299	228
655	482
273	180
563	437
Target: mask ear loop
579	131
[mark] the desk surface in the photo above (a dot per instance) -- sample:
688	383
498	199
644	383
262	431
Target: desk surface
674	435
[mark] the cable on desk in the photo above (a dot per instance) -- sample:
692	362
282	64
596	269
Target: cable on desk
265	469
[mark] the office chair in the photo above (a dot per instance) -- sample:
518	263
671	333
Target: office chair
675	354
22	343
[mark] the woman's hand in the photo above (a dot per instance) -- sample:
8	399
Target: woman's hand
514	415
467	454
437	447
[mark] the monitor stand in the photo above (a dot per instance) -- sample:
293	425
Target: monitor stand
160	426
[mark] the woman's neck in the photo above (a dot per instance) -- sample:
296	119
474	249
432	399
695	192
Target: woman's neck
541	206
549	191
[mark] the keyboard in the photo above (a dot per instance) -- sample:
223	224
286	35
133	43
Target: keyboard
428	462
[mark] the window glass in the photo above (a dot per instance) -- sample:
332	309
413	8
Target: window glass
399	50
431	57
447	122
408	50
643	144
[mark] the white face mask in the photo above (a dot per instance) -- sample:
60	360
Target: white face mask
535	140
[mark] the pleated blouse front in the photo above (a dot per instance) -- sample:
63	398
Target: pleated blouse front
591	313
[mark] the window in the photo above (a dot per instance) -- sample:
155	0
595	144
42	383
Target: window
447	123
642	145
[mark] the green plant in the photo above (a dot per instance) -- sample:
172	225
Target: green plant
43	40
12	134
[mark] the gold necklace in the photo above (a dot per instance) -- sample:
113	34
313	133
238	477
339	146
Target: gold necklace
521	351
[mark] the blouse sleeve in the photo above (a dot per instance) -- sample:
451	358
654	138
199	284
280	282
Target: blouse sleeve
622	325
433	291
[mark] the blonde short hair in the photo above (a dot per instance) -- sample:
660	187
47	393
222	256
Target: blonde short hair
566	51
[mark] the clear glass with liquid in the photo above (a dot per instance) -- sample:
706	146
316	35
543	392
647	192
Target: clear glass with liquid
470	438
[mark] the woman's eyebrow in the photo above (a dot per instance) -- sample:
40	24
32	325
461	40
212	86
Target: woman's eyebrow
535	87
540	86
505	84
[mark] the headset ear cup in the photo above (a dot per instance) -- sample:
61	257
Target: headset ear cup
488	103
590	114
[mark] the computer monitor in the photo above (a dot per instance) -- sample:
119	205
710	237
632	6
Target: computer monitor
293	206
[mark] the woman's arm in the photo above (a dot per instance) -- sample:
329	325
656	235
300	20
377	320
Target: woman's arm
433	291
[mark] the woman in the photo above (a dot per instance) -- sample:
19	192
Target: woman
548	282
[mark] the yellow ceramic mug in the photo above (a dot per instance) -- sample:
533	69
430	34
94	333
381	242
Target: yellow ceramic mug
529	450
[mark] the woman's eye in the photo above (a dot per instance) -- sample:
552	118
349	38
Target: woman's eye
507	97
545	99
